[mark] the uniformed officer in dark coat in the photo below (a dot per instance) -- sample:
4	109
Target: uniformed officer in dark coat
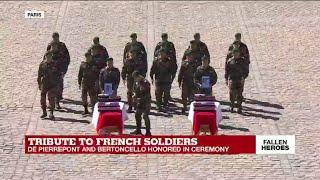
235	73
143	102
61	53
162	71
87	77
186	79
205	77
110	74
48	81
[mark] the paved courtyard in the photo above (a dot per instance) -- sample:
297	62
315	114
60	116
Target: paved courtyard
282	90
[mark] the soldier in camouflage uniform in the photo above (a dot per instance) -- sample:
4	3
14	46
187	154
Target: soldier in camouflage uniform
99	53
235	73
138	46
163	71
61	53
143	102
244	52
88	75
205	72
48	81
185	79
110	74
202	46
195	52
132	63
169	47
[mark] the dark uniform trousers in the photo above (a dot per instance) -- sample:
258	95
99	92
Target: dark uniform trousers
91	90
130	85
235	90
52	93
187	94
143	109
162	92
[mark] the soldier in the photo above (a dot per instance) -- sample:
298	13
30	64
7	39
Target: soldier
48	80
110	74
88	75
61	52
164	70
134	44
205	77
99	53
185	79
169	46
143	100
195	52
235	73
244	52
202	46
132	63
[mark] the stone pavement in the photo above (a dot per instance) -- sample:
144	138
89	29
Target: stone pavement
282	90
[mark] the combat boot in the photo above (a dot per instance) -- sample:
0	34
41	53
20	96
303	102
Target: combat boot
85	110
130	110
44	113
51	116
148	132
136	132
58	105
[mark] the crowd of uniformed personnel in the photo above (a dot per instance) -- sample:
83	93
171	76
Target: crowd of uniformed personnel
98	69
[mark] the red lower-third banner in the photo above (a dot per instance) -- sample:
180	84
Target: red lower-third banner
54	144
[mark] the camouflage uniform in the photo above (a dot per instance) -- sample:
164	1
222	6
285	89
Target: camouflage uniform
48	81
130	65
235	73
110	75
185	80
143	104
99	55
169	46
138	47
202	71
164	71
61	54
195	53
88	75
202	46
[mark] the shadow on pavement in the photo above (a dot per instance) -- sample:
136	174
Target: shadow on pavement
260	116
233	128
71	120
132	127
71	101
68	110
262	103
260	110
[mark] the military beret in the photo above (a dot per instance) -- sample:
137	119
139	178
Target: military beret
110	59
87	54
196	35
237	35
188	53
96	38
55	34
133	35
164	35
136	74
204	58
